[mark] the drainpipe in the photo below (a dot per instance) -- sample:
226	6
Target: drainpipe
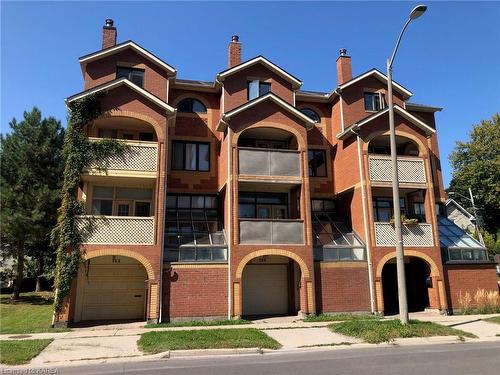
229	232
365	223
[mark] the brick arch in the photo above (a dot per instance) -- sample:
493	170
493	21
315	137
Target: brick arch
126	253
301	142
411	253
421	147
303	267
160	134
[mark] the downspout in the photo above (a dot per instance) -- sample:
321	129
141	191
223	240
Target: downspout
341	108
229	232
365	223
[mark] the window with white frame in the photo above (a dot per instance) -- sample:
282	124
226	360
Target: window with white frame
108	200
257	88
374	101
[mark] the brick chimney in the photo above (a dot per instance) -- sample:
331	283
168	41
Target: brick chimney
108	34
234	53
344	70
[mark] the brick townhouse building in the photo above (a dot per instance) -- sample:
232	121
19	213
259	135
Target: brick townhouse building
247	196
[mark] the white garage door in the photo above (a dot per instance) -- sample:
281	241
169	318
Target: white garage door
265	289
112	287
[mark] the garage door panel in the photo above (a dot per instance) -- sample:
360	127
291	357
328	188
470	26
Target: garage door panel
265	289
113	288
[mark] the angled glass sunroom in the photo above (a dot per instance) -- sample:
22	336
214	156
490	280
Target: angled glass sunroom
332	239
457	245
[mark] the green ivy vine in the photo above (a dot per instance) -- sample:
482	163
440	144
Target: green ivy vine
79	153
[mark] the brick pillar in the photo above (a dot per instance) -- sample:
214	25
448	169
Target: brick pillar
234	52
108	34
344	70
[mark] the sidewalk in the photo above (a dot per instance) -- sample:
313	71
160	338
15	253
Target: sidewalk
119	342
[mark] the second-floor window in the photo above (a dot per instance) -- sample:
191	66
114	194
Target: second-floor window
190	156
107	200
257	88
383	208
374	101
132	74
317	163
191	105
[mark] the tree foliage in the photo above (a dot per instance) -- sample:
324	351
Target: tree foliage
476	165
79	153
30	182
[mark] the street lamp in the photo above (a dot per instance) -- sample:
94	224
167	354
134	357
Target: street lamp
400	264
474	209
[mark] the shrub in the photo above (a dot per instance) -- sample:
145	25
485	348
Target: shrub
484	302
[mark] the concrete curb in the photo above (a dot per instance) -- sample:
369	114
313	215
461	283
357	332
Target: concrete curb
211	352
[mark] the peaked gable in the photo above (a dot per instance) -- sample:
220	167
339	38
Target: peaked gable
381	77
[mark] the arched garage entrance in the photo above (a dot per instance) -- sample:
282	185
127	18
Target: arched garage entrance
111	287
418	279
271	286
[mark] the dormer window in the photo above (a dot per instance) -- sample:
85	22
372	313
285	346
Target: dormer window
374	101
132	74
257	88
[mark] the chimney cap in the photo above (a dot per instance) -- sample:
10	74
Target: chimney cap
235	38
109	22
343	52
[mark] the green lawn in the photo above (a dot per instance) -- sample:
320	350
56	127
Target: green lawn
495	319
339	317
376	331
32	314
200	323
18	352
157	342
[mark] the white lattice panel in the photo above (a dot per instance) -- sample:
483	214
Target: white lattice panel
117	230
410	170
136	158
418	235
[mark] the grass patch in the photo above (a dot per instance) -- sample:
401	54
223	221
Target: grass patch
200	323
32	313
339	317
157	342
18	352
377	331
495	319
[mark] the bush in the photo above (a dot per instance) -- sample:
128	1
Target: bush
484	302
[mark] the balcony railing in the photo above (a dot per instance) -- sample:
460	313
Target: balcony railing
267	231
117	230
140	156
410	170
268	162
417	235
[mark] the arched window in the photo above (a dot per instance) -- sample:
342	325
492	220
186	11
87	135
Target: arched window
311	114
191	105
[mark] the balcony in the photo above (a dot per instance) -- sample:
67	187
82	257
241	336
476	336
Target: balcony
117	230
410	169
269	162
272	232
140	157
417	235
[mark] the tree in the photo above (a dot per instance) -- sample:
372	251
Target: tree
476	165
30	183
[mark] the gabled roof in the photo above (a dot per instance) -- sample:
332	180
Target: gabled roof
397	109
450	201
226	117
296	83
381	77
123	82
171	71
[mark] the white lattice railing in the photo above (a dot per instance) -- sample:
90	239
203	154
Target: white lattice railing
418	235
140	156
117	230
410	170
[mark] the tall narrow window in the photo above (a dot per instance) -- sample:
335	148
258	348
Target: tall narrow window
374	101
190	156
257	88
132	74
317	163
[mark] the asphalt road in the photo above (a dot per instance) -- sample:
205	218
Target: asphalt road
456	359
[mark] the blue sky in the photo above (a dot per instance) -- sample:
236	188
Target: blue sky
450	57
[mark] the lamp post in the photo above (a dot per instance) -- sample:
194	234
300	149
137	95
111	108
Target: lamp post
400	264
474	209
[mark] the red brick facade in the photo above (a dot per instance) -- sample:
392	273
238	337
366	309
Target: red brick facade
203	290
